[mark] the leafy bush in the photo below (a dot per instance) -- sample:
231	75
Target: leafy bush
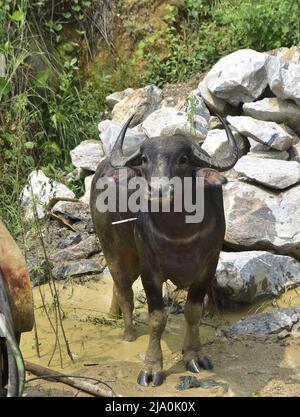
53	89
47	107
201	32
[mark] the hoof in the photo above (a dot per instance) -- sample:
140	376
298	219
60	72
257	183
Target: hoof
154	378
195	365
129	336
114	315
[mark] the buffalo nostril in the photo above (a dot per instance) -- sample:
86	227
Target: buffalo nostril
161	190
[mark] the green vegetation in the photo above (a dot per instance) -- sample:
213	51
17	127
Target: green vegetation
54	87
201	32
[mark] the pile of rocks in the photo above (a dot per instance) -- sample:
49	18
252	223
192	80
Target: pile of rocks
259	93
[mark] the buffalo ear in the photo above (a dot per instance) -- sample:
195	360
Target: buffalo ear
211	177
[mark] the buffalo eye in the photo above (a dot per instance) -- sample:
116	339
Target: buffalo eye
183	159
144	159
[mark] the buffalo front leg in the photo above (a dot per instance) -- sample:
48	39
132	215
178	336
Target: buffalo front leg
152	372
192	355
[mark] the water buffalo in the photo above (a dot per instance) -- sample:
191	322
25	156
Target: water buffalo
160	245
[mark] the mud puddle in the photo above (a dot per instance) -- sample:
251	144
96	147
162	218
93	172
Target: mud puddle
244	366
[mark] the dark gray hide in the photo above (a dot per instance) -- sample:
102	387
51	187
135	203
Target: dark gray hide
161	246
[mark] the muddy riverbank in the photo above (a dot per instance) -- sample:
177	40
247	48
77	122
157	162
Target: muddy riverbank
243	366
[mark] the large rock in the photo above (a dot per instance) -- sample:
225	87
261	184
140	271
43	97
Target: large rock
289	54
273	322
239	77
274	109
39	191
284	78
169	121
109	132
257	219
294	152
87	186
272	173
117	96
250	276
141	103
87	155
216	143
77	268
213	102
276	136
259	150
81	250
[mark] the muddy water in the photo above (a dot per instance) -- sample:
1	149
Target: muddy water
249	366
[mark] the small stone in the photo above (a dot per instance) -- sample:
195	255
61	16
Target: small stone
81	250
77	268
71	239
264	324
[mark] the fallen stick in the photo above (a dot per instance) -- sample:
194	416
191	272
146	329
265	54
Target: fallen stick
73	381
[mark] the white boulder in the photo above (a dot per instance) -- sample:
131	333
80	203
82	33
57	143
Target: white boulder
239	77
284	78
169	121
109	132
38	192
271	173
276	136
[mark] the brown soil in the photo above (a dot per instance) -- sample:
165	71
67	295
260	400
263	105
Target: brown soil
250	366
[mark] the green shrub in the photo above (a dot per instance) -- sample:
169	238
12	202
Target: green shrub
201	32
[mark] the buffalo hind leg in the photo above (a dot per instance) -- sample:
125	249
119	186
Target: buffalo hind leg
125	300
115	311
152	372
192	355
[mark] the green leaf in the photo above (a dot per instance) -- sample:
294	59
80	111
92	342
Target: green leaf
5	86
42	77
67	15
29	145
76	8
18	16
57	27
